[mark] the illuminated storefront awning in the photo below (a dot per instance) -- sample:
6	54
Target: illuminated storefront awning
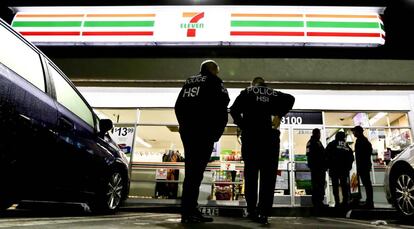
202	25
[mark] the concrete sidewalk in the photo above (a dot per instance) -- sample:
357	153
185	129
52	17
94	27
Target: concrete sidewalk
283	211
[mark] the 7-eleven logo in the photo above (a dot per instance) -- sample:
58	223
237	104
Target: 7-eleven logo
193	24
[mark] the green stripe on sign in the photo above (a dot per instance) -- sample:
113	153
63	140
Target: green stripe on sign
333	24
47	24
267	23
382	26
119	23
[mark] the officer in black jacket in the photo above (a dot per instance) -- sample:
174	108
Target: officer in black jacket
317	163
340	158
363	152
252	111
201	110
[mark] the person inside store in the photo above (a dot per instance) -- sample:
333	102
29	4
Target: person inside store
363	152
257	111
340	159
201	111
317	163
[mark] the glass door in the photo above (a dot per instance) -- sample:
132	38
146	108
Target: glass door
300	174
283	194
293	184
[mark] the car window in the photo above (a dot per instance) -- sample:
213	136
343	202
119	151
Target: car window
68	97
21	58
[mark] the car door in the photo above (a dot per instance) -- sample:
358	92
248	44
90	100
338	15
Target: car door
80	156
28	118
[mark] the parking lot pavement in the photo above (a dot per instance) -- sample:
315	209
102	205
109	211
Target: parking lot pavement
49	220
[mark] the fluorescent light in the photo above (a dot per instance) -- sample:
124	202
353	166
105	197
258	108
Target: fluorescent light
376	118
142	142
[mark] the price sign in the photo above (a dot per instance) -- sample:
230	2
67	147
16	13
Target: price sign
124	137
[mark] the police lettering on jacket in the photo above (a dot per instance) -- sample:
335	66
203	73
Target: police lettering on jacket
262	93
195	90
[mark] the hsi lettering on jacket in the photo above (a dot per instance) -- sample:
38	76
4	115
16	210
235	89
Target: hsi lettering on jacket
191	92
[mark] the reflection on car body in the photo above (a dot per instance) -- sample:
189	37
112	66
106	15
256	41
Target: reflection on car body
52	144
399	182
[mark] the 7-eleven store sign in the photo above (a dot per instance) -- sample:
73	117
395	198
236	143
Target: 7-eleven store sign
202	25
193	23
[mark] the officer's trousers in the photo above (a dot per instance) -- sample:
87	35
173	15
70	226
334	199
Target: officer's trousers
260	160
364	174
318	186
197	151
340	178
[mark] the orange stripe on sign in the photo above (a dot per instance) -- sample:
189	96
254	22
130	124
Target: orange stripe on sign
339	16
120	15
266	15
48	15
189	14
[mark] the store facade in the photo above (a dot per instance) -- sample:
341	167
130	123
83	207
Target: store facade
147	115
145	124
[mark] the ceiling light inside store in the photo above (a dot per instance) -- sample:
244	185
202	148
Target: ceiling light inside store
376	118
142	142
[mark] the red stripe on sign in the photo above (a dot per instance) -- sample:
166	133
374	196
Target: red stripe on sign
42	33
119	33
265	33
195	19
330	34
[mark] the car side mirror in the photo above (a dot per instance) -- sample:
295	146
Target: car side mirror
105	125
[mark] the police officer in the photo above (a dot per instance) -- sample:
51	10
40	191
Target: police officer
340	158
317	163
252	111
363	151
201	110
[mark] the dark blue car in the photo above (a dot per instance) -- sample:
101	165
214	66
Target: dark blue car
53	147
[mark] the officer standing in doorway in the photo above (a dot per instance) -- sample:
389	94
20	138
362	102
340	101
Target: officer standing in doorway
257	111
317	163
363	152
201	110
340	158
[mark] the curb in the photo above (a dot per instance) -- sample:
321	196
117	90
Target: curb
236	211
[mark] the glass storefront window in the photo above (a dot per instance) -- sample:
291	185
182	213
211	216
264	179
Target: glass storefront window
158	172
153	141
157	116
339	119
388	119
367	119
158	153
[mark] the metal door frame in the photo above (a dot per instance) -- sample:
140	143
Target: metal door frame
292	163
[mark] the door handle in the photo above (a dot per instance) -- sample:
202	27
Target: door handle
66	124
